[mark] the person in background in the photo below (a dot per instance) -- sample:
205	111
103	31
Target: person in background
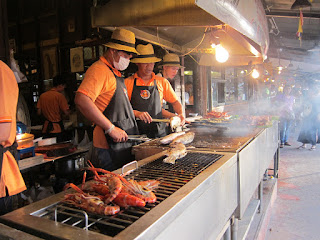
11	181
189	93
170	67
285	104
146	92
52	105
102	98
310	119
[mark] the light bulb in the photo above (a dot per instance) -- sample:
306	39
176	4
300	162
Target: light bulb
255	73
222	54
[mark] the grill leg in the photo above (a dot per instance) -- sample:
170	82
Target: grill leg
276	164
227	234
260	195
234	228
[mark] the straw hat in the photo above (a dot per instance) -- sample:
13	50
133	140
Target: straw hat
146	54
172	60
123	40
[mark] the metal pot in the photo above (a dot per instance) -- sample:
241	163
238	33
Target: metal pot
69	166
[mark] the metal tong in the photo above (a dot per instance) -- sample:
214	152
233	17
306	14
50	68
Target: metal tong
142	138
173	121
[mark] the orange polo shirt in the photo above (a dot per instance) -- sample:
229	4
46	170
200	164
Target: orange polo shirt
52	105
99	84
165	89
10	175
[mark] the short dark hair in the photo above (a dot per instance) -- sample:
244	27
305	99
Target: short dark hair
58	80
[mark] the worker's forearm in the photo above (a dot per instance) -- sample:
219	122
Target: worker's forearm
91	112
167	114
5	131
136	113
177	107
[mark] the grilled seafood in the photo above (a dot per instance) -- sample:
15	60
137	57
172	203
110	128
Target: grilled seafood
169	138
125	200
88	202
110	186
177	151
185	139
175	122
149	184
131	187
135	189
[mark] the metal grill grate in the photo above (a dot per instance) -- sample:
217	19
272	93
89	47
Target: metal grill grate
172	178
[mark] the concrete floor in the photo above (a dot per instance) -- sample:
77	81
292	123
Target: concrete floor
296	211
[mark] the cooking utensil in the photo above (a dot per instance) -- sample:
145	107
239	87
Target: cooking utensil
142	138
174	122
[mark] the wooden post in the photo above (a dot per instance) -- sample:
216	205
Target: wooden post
209	89
183	101
203	90
235	84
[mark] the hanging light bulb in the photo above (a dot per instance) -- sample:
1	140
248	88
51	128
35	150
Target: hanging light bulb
222	55
255	74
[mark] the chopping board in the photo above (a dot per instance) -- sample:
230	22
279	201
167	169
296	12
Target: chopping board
56	150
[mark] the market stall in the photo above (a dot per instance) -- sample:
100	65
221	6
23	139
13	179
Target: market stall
187	205
214	180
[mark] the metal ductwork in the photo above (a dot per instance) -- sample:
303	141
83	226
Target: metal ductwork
180	25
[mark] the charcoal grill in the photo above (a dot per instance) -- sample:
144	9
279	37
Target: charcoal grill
182	186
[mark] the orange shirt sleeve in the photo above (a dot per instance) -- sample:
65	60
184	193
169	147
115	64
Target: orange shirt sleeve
168	93
9	94
63	103
99	84
93	81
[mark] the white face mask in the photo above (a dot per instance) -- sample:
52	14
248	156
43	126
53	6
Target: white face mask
122	64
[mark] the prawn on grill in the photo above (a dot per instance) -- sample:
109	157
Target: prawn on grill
110	184
149	184
139	191
125	200
131	186
88	202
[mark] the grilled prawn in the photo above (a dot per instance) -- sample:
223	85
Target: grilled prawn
89	202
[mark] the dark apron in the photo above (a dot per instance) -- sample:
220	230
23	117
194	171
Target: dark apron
6	204
147	99
60	136
12	149
120	113
50	126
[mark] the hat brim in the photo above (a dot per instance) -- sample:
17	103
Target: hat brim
145	60
172	65
121	47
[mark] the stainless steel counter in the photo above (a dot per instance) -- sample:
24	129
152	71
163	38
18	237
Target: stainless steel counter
198	210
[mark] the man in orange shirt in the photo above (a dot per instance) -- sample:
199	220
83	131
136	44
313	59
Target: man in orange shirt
146	92
52	104
11	181
102	98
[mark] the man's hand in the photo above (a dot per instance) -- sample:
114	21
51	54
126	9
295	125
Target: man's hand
118	135
183	120
144	116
